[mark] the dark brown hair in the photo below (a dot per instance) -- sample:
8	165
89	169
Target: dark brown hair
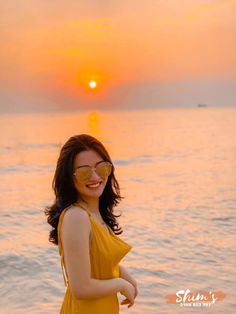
65	191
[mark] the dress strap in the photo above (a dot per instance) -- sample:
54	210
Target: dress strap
63	269
61	253
87	211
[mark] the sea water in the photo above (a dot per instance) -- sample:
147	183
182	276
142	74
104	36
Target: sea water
177	172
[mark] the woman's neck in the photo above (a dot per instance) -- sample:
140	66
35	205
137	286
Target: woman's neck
91	204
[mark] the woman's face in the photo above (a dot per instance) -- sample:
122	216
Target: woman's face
89	158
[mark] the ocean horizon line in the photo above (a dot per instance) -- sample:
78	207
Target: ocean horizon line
91	110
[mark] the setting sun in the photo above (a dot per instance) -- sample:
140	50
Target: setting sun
92	84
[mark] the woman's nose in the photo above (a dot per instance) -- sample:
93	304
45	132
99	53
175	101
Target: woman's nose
94	175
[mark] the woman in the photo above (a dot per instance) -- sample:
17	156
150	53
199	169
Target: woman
85	229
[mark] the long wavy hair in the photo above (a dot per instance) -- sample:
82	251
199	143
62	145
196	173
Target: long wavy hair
66	193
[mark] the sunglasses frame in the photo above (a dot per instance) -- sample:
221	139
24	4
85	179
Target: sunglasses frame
93	168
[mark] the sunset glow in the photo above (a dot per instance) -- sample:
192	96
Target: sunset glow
130	55
92	84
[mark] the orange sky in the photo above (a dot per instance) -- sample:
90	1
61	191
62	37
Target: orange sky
139	54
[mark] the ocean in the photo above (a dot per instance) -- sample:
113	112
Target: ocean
177	173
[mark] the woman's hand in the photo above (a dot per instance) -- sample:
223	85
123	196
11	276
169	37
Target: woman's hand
129	292
127	276
134	283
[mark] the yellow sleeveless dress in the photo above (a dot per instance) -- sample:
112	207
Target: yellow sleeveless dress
106	251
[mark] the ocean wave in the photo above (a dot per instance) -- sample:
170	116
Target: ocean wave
35	146
26	169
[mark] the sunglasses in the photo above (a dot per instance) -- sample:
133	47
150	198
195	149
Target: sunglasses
103	169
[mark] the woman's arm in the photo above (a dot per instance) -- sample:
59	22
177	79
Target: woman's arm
75	233
124	274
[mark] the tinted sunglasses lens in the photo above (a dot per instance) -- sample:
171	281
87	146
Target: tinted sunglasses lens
104	169
83	173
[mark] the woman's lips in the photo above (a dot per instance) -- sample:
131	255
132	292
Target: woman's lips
93	186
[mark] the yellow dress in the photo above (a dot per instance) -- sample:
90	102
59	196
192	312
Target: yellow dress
106	251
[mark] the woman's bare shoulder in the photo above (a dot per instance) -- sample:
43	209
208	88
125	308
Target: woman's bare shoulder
74	217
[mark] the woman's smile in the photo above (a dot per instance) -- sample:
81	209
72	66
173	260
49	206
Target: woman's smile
94	186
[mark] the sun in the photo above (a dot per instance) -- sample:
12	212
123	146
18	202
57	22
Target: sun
92	84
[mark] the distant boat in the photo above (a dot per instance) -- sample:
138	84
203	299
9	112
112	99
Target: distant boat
202	105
